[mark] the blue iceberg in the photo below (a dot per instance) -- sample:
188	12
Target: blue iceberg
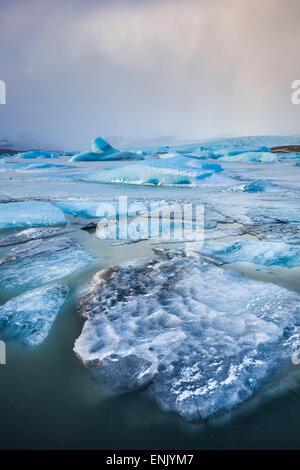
28	318
30	213
103	151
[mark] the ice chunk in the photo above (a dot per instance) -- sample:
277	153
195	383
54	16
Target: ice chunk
263	157
28	318
30	213
170	171
251	251
37	154
37	233
201	338
40	261
260	186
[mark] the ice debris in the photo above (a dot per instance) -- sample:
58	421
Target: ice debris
28	318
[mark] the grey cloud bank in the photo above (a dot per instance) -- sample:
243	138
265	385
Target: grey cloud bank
189	68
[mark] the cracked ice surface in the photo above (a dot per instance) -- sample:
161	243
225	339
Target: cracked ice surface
201	338
40	261
28	318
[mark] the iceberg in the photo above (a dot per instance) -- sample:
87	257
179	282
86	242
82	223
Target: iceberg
29	317
256	252
40	261
30	213
165	172
201	339
263	157
103	151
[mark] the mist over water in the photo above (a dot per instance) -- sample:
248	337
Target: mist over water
189	69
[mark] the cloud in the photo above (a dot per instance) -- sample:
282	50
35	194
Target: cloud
187	67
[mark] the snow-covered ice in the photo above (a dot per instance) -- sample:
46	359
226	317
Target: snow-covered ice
201	338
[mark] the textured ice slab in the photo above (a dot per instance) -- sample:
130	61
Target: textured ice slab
35	233
201	338
30	213
263	157
169	171
28	318
251	251
37	154
40	261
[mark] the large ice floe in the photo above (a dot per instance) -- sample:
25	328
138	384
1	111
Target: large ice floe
28	318
40	261
200	338
30	213
164	172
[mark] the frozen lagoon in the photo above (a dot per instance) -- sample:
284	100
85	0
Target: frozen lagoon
237	214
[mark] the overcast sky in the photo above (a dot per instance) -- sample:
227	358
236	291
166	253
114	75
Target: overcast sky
75	69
